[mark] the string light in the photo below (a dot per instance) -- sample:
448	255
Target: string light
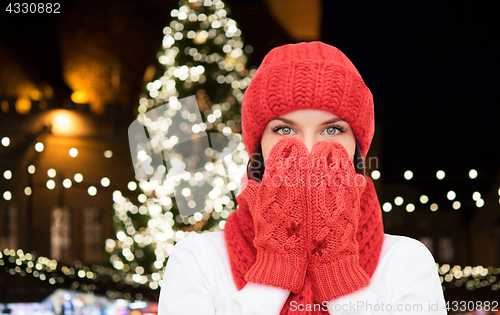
387	207
410	207
7	195
471	277
7	174
476	196
5	141
398	201
51	184
142	198
456	205
375	174
78	177
408	175
31	169
108	153
105	182
92	190
67	183
39	147
424	199
51	173
73	152
440	174
45	269
472	173
434	207
132	186
451	195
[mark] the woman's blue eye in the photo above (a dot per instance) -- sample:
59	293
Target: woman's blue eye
282	130
332	130
286	130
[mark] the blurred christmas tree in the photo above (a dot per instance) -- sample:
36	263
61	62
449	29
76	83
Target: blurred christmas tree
202	55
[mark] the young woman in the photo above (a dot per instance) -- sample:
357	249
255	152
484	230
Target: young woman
307	237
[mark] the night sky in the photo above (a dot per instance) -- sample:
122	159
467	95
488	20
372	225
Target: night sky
433	70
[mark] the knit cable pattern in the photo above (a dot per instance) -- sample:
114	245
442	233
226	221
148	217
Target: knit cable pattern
240	239
278	207
334	204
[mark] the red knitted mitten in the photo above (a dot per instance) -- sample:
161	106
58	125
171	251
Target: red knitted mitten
333	197
278	207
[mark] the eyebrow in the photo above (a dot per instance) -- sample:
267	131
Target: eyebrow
288	121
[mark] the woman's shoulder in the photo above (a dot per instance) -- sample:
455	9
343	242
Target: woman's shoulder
206	252
403	245
202	244
215	239
406	255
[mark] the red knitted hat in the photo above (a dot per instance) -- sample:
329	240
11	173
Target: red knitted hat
307	75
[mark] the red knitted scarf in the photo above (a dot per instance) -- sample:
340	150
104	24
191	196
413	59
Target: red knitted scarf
239	234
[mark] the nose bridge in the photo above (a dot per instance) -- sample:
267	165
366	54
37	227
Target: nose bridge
309	140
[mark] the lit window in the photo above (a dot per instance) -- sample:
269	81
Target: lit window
92	234
446	249
60	233
8	226
427	241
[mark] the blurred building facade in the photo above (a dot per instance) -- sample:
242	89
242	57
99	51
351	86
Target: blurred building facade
60	168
